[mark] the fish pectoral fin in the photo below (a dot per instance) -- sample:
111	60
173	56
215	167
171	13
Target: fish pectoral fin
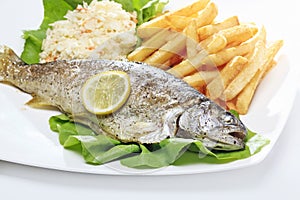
170	125
38	102
168	129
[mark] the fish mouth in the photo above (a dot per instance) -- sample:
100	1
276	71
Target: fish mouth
225	140
238	134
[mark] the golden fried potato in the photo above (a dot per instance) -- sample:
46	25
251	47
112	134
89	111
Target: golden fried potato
249	71
151	45
200	79
167	51
192	39
146	29
208	30
179	23
239	33
218	43
245	97
225	61
207	15
227	74
192	9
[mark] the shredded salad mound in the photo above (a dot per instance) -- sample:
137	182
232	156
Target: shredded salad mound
98	30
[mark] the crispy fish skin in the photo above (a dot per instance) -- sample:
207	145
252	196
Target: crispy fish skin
160	105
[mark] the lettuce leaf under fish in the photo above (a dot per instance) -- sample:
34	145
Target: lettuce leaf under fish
100	149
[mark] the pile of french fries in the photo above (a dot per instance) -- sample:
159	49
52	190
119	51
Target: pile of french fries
225	60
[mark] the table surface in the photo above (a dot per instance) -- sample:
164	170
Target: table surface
276	177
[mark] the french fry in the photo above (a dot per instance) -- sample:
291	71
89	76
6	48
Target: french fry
168	50
222	57
193	8
192	39
231	105
273	64
225	61
236	34
245	97
201	79
218	43
272	50
239	33
151	45
190	66
172	61
212	41
208	30
207	15
233	44
146	29
245	76
260	35
219	58
227	74
232	68
182	69
179	22
159	58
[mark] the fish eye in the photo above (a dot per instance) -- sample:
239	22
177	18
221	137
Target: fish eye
227	119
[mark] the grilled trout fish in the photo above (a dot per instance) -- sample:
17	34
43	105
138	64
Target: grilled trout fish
160	105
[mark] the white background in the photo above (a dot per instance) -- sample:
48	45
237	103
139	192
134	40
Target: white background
277	177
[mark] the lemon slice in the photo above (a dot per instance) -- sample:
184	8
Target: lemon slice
106	92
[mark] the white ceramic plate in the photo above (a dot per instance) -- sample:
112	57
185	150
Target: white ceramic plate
25	136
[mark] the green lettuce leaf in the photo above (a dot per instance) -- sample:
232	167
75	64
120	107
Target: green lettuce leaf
95	149
170	151
55	10
100	149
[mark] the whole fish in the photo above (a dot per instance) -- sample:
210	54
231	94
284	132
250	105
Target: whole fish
160	105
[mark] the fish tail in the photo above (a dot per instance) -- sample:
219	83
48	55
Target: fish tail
8	59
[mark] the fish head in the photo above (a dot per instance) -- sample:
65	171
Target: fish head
215	127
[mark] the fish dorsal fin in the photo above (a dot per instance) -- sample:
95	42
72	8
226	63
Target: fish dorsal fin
38	102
